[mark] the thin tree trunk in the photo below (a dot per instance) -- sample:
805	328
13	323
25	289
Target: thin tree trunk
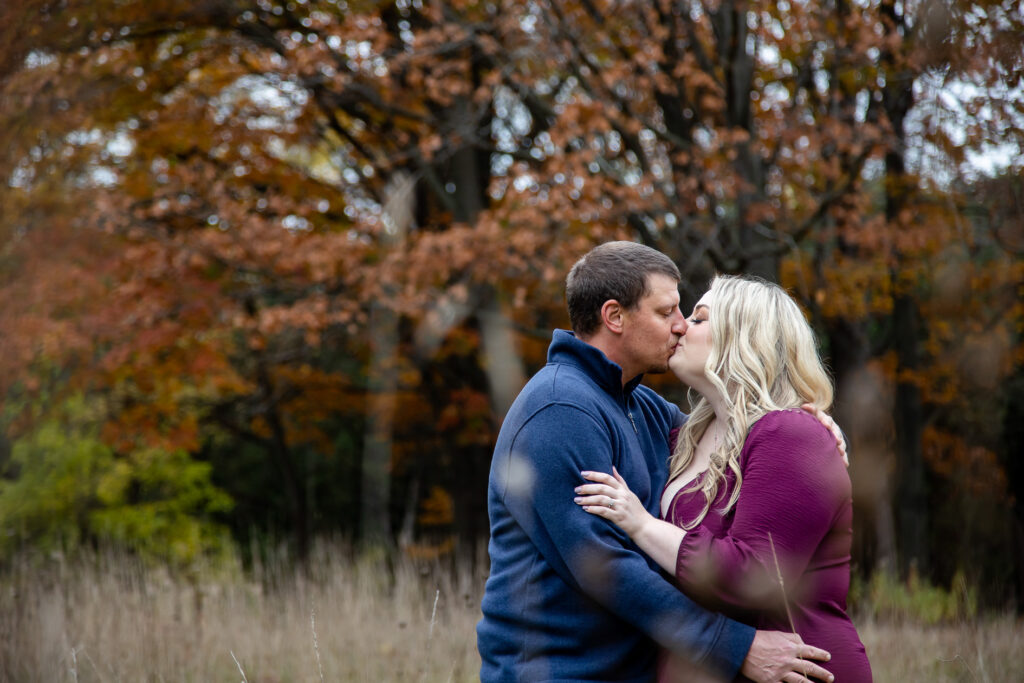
502	361
912	490
375	489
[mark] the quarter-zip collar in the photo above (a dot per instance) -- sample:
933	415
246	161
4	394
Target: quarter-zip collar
567	348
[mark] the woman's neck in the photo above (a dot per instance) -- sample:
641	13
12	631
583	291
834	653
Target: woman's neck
718	405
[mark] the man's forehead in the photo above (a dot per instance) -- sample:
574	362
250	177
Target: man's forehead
662	287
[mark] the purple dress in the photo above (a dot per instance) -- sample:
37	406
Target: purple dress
793	518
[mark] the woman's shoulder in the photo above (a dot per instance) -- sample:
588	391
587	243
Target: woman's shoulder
788	421
790	431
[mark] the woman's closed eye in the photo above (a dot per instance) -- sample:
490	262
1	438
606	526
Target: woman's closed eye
696	321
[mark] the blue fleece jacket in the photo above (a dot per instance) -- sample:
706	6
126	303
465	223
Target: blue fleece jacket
569	596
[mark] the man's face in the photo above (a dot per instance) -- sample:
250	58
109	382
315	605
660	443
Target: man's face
652	329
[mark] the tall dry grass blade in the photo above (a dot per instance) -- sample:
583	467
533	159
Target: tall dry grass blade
782	584
782	587
316	645
244	679
433	615
95	668
960	659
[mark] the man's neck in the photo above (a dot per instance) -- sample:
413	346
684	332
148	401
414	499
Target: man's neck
612	352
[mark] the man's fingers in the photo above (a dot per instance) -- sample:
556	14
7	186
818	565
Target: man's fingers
807	672
808	668
816	653
818	673
805	667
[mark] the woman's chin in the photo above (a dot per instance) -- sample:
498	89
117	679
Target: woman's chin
680	372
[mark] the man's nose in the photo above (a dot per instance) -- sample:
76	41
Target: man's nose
680	325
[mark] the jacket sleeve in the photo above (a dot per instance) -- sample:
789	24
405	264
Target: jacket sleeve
594	556
791	492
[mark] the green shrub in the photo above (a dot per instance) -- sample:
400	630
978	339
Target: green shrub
62	487
885	597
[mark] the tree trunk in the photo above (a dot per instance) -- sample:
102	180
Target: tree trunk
864	409
911	504
375	489
912	489
757	250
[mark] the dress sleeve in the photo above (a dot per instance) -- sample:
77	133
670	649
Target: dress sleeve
793	487
673	439
596	557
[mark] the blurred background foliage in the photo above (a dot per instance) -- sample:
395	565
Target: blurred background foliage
273	271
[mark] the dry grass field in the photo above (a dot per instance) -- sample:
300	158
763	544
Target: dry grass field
344	620
989	650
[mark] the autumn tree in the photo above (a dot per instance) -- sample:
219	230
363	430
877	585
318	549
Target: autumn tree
323	239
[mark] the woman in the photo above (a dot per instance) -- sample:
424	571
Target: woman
757	512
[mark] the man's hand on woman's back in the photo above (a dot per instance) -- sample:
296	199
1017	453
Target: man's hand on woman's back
830	424
776	656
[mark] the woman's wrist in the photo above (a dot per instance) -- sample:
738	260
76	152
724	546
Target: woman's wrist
660	540
645	529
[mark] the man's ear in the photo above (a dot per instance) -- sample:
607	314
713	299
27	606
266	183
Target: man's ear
612	316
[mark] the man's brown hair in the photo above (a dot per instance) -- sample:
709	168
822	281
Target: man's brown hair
613	270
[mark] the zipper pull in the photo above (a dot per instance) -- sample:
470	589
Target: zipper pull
630	413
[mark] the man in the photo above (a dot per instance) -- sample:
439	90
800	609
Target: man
569	597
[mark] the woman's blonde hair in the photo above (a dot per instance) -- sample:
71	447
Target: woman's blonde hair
763	357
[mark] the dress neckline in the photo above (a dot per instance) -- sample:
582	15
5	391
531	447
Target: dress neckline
670	508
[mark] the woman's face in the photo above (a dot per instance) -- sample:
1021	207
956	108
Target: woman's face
694	346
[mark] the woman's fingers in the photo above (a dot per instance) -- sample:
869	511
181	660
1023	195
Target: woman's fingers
594	489
601	511
603	498
595	501
599	477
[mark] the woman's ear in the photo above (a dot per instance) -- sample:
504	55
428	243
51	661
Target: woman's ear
612	316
